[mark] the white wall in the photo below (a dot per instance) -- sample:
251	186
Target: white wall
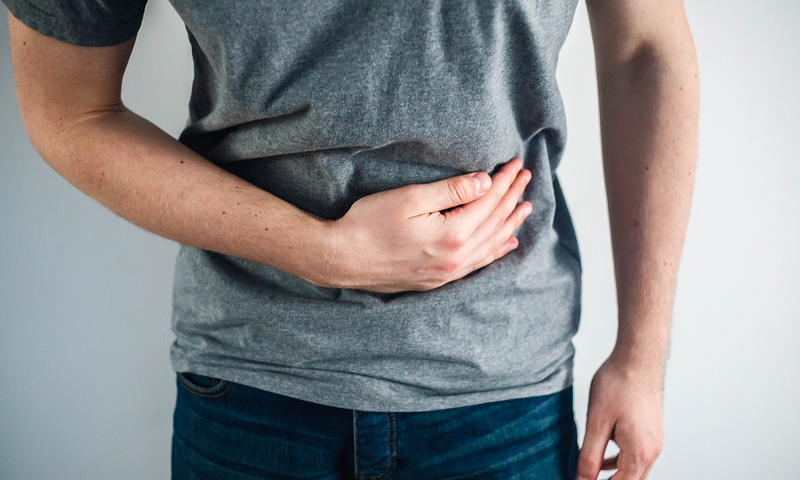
733	374
87	390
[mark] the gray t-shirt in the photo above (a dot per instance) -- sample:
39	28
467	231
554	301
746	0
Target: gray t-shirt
321	102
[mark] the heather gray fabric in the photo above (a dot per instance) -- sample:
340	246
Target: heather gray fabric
321	102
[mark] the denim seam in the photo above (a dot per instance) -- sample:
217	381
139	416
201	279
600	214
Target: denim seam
355	443
394	422
388	447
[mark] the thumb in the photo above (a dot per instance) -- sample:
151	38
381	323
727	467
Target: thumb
451	192
594	448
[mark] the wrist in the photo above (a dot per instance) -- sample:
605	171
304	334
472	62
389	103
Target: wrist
323	264
644	366
642	341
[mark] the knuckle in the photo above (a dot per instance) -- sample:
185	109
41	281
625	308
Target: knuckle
497	247
454	240
640	457
499	239
496	221
522	211
657	449
653	453
450	266
489	259
458	190
589	464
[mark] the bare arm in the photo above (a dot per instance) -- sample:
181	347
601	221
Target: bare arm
648	86
69	99
648	90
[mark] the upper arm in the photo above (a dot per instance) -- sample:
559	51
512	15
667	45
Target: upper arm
59	78
624	31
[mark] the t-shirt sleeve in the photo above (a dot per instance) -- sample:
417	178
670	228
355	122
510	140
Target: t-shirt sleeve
89	23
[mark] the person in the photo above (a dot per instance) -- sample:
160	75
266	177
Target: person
378	274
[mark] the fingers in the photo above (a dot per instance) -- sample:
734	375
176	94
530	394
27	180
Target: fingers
590	459
444	194
469	217
647	470
496	242
493	225
499	252
633	465
637	455
610	463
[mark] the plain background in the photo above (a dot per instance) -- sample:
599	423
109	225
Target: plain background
86	388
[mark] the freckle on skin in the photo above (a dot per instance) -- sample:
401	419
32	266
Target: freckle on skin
636	224
181	161
223	213
266	229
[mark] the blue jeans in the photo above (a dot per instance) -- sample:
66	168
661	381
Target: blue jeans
225	430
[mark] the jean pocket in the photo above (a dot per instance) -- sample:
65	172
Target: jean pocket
202	385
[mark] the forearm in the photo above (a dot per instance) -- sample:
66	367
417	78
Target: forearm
150	179
649	109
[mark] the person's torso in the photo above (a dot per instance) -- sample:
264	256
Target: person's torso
323	102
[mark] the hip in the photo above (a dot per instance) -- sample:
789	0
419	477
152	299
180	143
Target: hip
229	430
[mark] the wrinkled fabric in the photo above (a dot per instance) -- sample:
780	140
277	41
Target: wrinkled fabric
323	102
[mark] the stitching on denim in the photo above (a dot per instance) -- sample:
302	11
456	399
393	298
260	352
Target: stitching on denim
219	394
196	388
394	422
200	393
355	446
388	447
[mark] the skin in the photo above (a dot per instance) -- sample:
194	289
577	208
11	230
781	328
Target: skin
70	103
69	100
647	78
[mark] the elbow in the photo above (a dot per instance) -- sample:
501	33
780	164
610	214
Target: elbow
37	126
59	137
651	56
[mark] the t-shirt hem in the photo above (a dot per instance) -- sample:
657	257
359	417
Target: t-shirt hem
55	27
336	395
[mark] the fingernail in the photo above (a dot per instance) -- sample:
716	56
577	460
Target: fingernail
482	182
527	211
